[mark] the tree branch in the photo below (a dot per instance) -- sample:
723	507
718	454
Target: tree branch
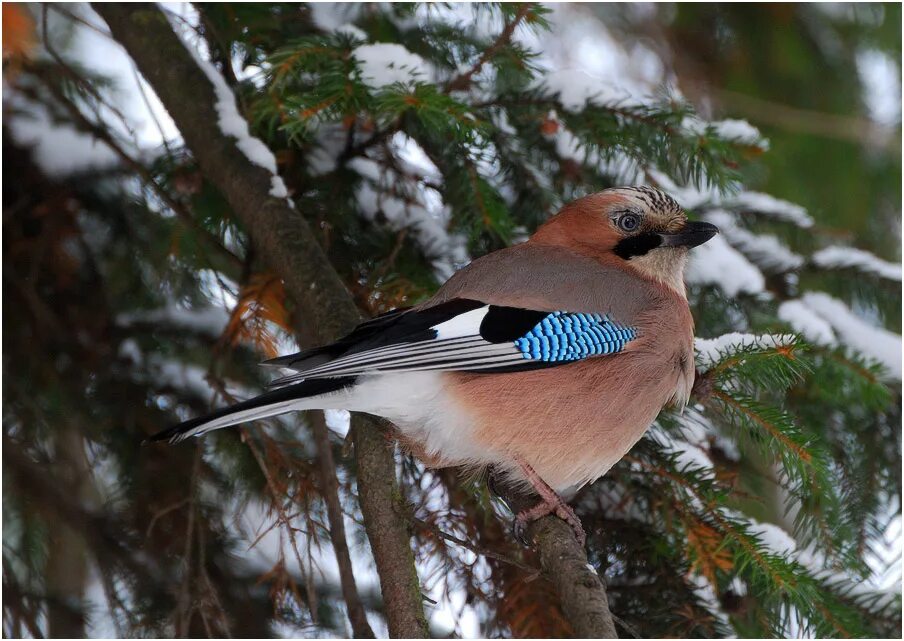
564	561
232	264
463	81
282	236
330	490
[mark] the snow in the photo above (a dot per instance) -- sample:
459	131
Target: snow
873	342
619	167
384	64
777	541
836	257
351	30
774	538
881	78
278	188
233	124
808	323
691	197
764	249
167	373
209	320
60	150
578	42
769	205
739	131
718	263
711	351
334	16
707	594
329	143
691	446
338	420
412	204
688	196
577	89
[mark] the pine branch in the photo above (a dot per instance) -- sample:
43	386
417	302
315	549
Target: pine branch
233	264
285	239
463	81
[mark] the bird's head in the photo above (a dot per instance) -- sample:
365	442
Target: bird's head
639	227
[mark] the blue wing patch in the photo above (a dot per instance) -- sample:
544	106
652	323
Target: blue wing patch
562	337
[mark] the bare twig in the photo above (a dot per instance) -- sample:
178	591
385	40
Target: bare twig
476	549
463	81
329	489
283	518
103	134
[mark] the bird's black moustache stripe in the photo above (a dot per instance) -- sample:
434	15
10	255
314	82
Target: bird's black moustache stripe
637	245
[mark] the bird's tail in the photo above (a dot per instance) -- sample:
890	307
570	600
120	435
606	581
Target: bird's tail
279	401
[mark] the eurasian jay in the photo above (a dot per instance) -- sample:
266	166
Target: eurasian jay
544	362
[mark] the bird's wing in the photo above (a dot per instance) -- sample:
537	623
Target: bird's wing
462	335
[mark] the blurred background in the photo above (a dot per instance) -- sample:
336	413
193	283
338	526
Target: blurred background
133	298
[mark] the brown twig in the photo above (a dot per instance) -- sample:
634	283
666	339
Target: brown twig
329	489
463	81
276	500
531	572
103	134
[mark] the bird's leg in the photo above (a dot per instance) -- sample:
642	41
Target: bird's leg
550	503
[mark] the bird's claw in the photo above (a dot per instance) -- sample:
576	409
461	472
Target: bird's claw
544	508
519	531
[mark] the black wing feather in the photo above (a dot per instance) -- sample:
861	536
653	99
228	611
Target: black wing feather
399	326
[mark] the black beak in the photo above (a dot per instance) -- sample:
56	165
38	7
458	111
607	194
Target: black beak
694	233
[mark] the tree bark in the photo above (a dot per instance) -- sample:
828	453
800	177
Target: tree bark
283	236
580	589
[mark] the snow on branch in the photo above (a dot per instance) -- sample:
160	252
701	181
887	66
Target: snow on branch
577	89
718	263
711	351
777	541
619	166
209	320
837	257
764	249
753	202
384	64
732	130
806	322
164	373
759	203
401	196
873	342
234	125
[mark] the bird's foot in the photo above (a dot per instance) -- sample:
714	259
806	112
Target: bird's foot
549	505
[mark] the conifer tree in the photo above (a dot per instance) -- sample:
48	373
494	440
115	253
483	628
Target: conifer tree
406	140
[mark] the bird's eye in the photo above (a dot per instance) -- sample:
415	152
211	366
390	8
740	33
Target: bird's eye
628	222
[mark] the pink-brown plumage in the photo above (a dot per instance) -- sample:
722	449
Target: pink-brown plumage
572	423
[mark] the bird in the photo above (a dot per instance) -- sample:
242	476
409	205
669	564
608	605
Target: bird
543	362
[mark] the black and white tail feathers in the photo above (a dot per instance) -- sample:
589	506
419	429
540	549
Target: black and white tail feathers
264	406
